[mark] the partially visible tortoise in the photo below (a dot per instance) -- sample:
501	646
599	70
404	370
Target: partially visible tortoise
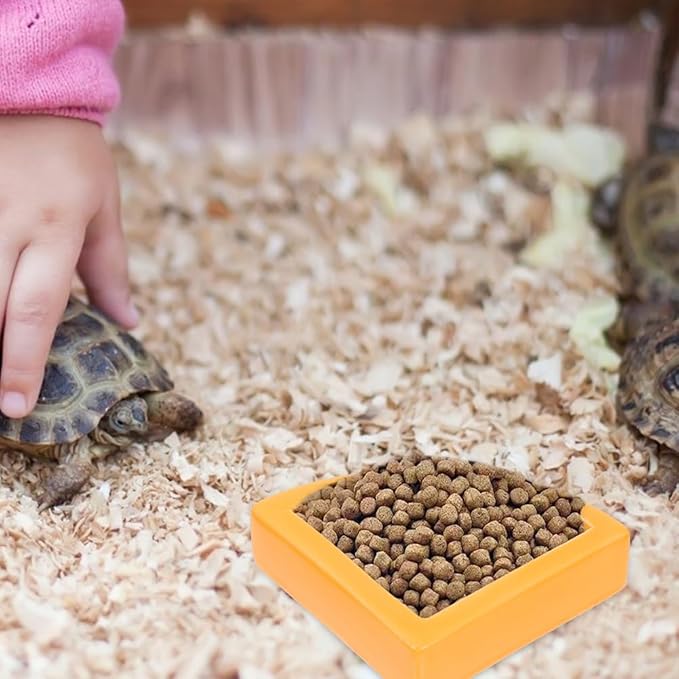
644	208
101	392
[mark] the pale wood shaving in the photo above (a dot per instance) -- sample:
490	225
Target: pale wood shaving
323	329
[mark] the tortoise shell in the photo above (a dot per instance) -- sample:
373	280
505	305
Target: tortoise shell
648	390
92	364
648	229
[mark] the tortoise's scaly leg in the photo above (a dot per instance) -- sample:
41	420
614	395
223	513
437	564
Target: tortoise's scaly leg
70	475
170	411
666	477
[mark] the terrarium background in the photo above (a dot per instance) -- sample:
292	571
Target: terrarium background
289	75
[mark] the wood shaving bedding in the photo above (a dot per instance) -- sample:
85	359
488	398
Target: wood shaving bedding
328	310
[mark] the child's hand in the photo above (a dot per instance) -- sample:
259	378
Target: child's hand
59	210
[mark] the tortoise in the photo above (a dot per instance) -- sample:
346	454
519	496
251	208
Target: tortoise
643	206
101	391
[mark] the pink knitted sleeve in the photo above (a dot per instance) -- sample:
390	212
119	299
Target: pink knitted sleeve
56	57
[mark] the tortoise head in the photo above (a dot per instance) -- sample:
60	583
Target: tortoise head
128	418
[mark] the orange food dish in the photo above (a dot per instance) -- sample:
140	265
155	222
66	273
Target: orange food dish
465	638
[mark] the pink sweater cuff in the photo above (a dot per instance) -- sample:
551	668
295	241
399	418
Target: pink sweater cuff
56	57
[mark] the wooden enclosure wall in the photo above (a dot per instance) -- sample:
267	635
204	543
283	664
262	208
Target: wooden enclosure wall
404	13
294	86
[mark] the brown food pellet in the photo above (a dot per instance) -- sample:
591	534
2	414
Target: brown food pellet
539	551
456	501
408	570
541	502
464	521
432	515
577	504
429	598
459	485
542	537
448	515
443	570
536	522
472	498
428	611
401	518
426	567
367	506
373	571
501	496
499	573
487	580
428	496
574	520
417	553
345	544
556	524
424	469
518	496
460	562
395	533
469	543
438	545
364	537
523	531
557	540
551	513
520	548
454	548
440	587
480	517
488	543
333	514
379	544
410	475
453	533
472	572
330	534
569	532
365	554
385	515
316	523
383	561
397	550
385	498
455	590
420	582
472	587
404	492
488	498
350	509
494	529
552	494
480	557
521	560
423	535
487	570
411	598
502	563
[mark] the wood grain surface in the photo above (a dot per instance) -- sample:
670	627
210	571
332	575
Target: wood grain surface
408	13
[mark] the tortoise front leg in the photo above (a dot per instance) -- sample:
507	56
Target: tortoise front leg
666	477
70	475
169	411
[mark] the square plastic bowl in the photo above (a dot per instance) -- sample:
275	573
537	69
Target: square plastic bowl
467	637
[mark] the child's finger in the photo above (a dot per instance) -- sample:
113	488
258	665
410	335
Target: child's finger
37	298
103	265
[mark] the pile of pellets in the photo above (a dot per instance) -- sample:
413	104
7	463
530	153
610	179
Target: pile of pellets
433	531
